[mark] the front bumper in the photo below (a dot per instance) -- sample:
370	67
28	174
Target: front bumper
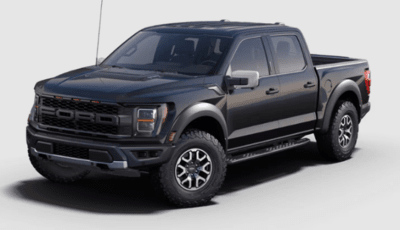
77	161
98	154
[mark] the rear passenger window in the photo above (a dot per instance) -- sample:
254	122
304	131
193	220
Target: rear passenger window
250	56
288	54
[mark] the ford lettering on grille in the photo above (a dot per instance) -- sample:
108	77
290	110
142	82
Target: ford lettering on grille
107	119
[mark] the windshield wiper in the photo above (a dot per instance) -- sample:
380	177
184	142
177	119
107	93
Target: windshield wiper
163	71
117	66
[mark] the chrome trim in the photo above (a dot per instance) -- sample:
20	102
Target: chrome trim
58	158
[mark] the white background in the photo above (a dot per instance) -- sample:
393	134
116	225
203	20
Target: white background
292	190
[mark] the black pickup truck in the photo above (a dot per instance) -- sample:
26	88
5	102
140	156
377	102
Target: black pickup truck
181	101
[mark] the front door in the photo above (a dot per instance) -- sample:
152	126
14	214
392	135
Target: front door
252	112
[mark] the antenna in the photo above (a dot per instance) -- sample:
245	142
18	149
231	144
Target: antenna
98	37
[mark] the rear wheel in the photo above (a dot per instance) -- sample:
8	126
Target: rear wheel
195	171
57	172
338	142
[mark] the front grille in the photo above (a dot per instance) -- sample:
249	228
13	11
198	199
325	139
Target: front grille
78	125
82	118
80	106
70	151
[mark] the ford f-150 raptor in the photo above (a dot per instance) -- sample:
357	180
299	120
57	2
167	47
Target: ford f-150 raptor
181	101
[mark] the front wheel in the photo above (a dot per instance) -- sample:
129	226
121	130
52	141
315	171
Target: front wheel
339	142
195	171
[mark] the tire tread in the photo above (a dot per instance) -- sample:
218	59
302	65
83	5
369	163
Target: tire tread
327	144
163	187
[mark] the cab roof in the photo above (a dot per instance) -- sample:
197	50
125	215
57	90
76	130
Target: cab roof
221	28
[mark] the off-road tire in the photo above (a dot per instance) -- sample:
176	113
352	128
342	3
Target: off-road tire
56	172
328	144
164	177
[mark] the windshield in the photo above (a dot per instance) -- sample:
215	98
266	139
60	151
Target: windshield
166	52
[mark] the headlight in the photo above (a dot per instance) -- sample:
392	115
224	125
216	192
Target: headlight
146	119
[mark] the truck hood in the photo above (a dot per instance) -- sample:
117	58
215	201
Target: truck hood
117	84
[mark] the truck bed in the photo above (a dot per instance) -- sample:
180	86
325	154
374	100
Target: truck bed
325	59
341	67
331	71
323	62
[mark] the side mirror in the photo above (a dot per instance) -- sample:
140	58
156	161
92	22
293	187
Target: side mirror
99	60
244	79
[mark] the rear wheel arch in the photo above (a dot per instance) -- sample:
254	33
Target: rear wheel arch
345	91
352	97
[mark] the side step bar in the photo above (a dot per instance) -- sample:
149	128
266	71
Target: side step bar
268	150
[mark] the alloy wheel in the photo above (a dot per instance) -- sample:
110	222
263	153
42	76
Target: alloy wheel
345	131
193	169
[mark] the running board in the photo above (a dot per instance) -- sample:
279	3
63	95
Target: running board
268	150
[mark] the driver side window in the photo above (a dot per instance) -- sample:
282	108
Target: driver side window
251	56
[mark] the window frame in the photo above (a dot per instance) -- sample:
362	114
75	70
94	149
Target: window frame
266	50
274	58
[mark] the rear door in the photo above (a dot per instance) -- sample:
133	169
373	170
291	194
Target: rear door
298	81
252	112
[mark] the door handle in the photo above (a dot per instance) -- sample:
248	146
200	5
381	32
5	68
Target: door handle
272	91
309	84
